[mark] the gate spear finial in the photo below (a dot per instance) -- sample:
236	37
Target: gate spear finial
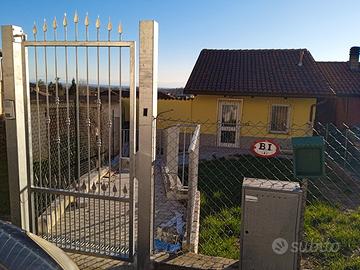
109	26
76	20
54	24
120	29
34	30
76	17
87	20
65	20
97	24
44	26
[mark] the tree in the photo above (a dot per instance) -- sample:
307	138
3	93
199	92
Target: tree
51	89
72	89
60	87
41	85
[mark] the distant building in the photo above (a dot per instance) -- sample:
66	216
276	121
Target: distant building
344	79
256	93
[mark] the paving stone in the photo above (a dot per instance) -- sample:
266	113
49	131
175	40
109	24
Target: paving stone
196	261
86	262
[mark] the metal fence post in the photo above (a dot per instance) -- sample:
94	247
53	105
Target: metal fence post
193	185
346	147
147	138
18	139
132	146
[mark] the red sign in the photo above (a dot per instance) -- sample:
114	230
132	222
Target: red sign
265	148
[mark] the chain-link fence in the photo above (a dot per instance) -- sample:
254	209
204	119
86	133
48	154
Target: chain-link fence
177	201
332	215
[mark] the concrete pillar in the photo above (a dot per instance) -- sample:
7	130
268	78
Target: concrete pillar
18	130
148	62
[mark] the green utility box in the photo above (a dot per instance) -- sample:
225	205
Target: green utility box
309	158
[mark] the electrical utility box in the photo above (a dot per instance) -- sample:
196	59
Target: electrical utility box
272	218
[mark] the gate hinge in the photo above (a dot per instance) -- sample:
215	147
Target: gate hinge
19	37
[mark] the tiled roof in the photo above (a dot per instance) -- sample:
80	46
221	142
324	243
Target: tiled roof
342	79
257	72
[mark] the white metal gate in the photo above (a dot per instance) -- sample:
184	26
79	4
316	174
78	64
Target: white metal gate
81	185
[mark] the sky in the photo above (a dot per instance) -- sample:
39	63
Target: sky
328	28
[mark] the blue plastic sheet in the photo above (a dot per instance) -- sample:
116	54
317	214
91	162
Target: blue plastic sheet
163	246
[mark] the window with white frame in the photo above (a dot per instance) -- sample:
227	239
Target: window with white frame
279	118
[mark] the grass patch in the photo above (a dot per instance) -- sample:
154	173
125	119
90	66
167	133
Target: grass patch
324	224
352	263
220	233
220	183
327	224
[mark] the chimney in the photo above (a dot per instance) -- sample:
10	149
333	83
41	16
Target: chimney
301	58
354	58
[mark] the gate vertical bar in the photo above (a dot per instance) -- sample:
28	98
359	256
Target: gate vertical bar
16	109
28	128
132	148
39	177
147	138
120	134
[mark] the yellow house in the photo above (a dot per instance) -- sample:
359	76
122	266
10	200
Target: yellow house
240	95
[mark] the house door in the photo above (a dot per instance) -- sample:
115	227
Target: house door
229	120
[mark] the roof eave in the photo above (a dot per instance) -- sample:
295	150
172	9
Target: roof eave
258	94
348	95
